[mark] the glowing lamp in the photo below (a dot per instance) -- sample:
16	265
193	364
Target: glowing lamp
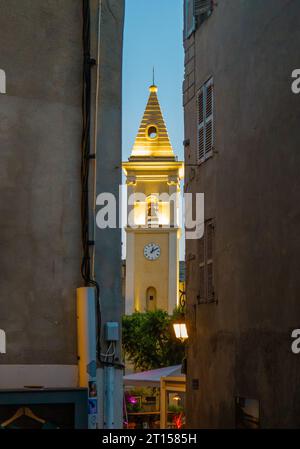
180	328
132	400
180	331
177	398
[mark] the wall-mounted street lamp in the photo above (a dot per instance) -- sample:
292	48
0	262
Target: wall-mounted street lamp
180	328
180	331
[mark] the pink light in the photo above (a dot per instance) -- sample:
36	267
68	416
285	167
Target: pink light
132	400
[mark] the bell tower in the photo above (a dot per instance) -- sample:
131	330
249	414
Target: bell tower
153	177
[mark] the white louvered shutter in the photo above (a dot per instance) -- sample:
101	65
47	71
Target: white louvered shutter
209	117
210	233
205	106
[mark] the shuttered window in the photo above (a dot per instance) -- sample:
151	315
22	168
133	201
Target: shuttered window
205	106
189	18
206	264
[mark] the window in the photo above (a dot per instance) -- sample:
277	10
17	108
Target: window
206	264
139	213
195	12
152	210
152	132
152	213
158	212
205	106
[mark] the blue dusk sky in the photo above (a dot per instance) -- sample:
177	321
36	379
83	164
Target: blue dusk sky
153	37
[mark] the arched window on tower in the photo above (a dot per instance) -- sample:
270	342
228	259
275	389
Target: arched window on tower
152	210
151	299
158	211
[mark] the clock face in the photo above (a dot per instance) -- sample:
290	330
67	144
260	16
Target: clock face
152	251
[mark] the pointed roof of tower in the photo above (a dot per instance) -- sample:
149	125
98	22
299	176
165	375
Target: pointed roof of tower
152	139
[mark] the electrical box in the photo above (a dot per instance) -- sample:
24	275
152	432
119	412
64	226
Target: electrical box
112	331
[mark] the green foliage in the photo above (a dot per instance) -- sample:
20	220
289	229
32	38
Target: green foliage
133	408
149	341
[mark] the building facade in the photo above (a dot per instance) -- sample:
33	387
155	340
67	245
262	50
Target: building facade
181	285
152	245
242	144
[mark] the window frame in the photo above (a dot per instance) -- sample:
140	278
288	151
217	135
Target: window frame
207	262
2	81
189	28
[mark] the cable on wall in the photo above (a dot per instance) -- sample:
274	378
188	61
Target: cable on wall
107	358
85	167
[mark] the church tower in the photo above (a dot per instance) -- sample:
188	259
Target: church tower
153	177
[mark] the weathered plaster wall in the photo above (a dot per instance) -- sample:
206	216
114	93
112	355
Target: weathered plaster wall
40	132
241	346
107	261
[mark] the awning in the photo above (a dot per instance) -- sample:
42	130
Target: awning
152	378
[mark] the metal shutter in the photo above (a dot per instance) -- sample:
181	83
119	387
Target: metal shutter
202	7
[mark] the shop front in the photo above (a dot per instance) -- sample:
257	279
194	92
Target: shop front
155	399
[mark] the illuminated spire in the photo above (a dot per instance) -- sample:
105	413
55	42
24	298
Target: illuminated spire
152	139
